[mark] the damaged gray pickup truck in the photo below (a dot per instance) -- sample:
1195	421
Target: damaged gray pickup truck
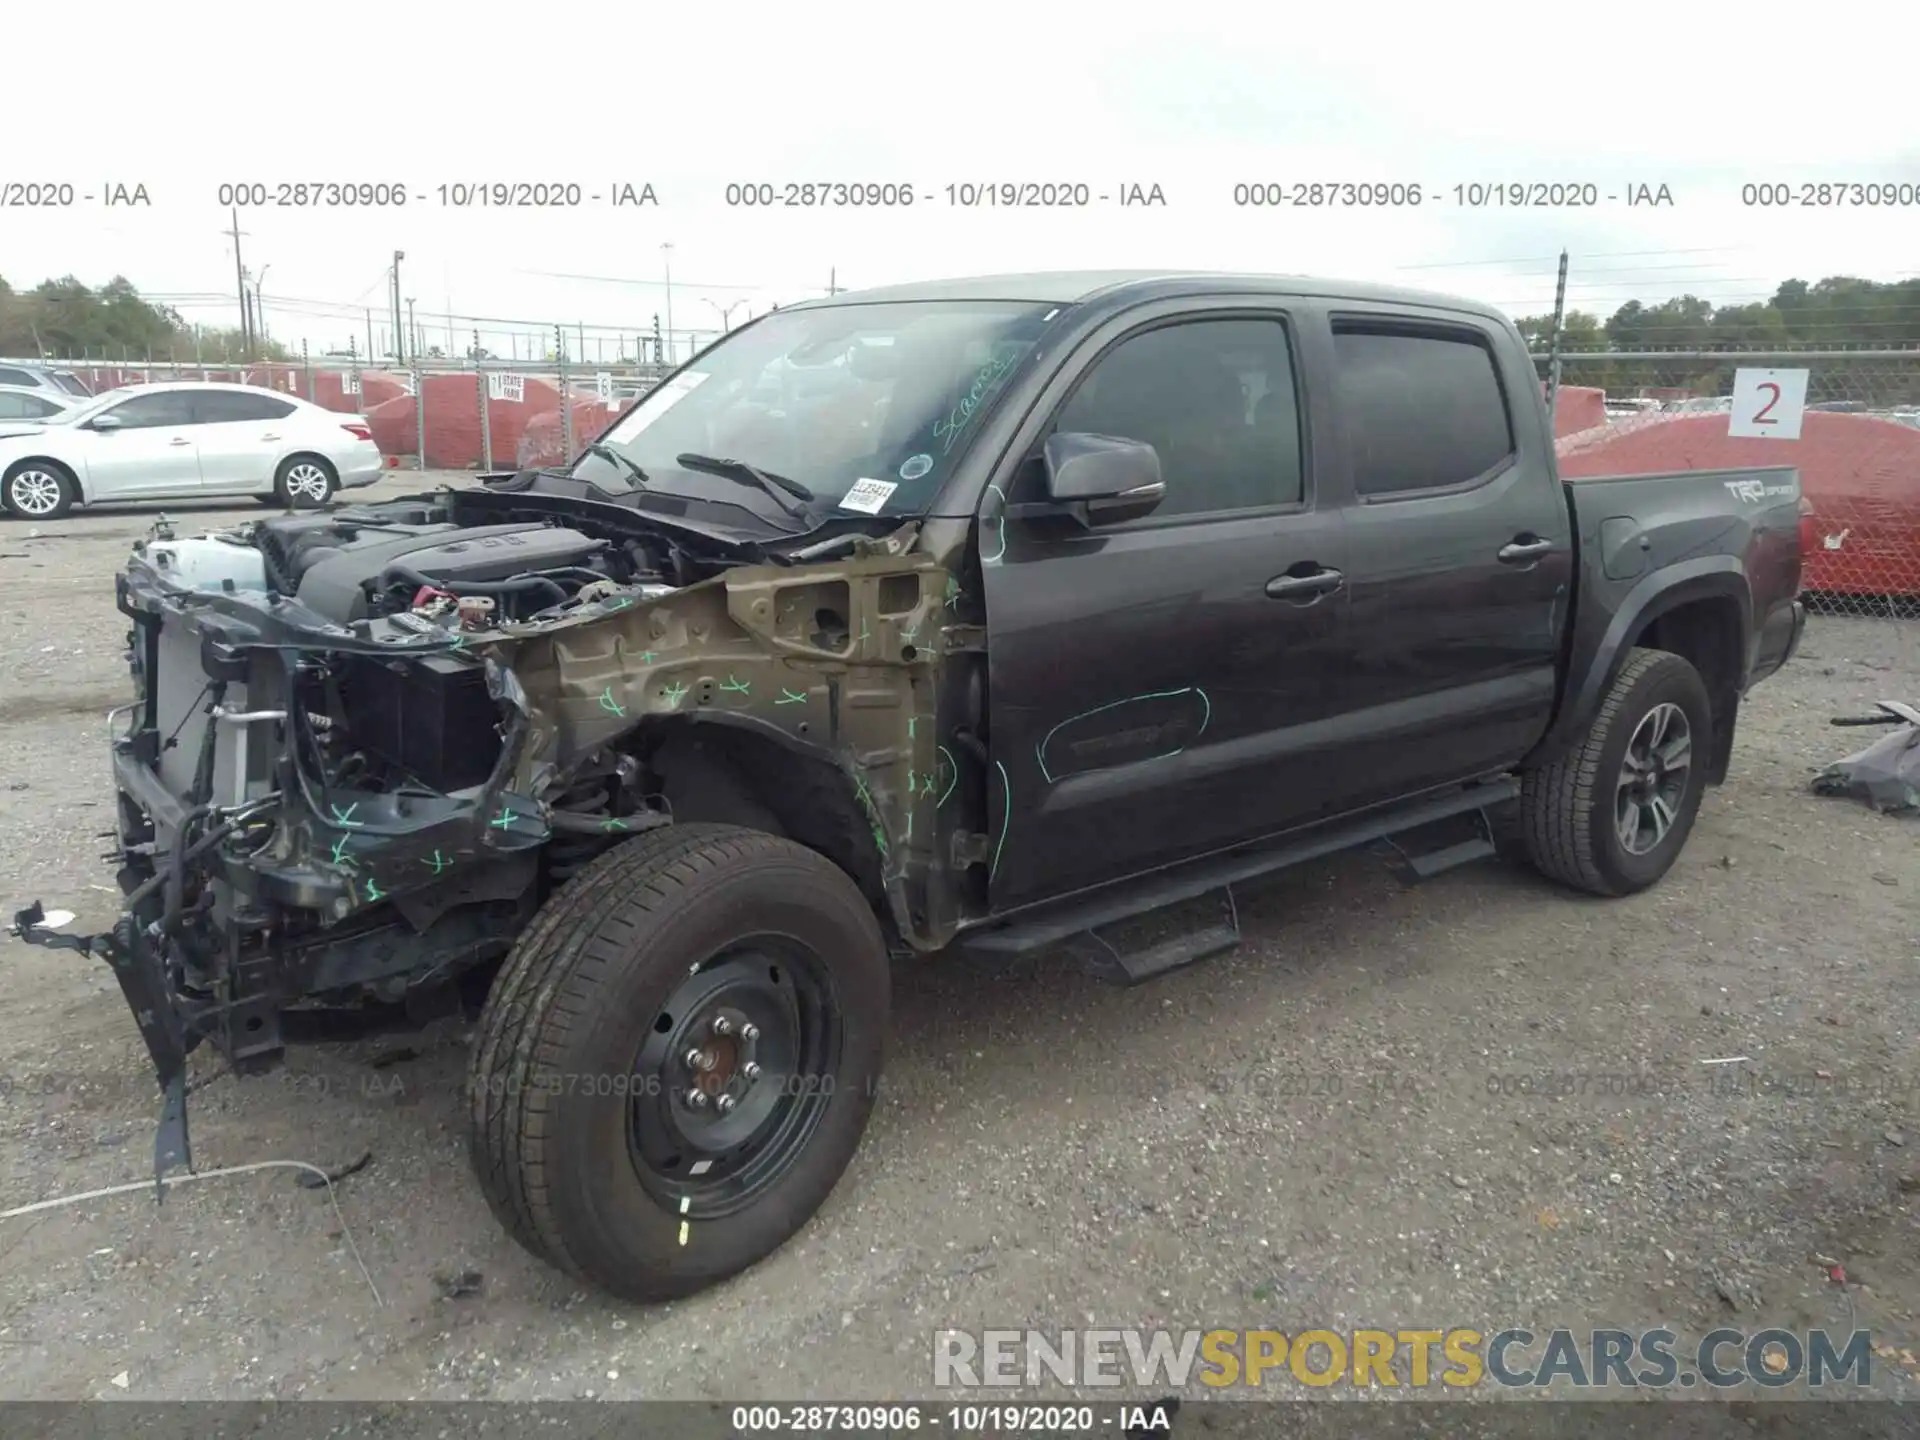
984	615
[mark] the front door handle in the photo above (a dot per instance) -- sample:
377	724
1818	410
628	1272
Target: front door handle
1521	550
1304	587
269	437
180	440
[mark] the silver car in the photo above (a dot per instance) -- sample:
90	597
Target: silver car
182	441
19	403
48	379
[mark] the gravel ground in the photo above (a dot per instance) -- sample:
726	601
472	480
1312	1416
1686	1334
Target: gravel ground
1329	1127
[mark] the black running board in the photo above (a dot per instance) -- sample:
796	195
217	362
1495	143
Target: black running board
1052	924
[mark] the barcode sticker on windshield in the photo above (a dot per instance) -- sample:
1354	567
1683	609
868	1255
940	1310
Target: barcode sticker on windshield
868	496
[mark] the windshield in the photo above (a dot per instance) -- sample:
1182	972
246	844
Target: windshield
868	406
72	384
87	409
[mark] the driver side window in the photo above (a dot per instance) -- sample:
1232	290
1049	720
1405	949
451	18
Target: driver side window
1215	398
146	412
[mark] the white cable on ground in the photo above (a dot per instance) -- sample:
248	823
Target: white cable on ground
345	1232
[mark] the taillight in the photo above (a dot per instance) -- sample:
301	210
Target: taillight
359	432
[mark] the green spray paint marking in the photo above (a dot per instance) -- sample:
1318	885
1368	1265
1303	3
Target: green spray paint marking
907	839
954	592
953	770
674	693
790	697
913	783
739	687
611	705
880	839
615	823
621	602
340	856
504	820
865	633
647	657
1040	750
927	785
912	720
345	817
1006	818
459	642
908	632
374	892
1000	528
438	862
861	793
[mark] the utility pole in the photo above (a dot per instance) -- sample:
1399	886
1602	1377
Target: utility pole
832	288
413	330
240	278
370	351
399	345
1553	344
666	251
260	307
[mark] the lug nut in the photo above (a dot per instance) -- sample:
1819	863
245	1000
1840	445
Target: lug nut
697	1098
724	1104
697	1060
751	1069
749	1031
722	1025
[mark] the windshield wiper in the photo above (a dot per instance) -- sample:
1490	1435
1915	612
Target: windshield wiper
608	453
778	486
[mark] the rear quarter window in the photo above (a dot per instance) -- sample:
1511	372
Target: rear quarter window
1423	410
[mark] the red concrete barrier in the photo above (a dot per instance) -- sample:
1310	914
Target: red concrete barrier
1861	475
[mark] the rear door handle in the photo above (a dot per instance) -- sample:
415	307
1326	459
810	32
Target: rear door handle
269	437
180	440
1522	550
1304	587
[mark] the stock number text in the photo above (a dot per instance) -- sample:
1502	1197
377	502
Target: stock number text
1277	194
1837	194
818	194
312	194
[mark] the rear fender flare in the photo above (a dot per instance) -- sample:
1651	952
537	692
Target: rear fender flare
1709	577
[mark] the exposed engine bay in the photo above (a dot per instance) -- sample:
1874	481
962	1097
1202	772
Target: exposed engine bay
368	743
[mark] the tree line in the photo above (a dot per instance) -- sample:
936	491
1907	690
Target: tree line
1838	313
66	320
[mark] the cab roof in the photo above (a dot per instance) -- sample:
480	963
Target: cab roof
1072	287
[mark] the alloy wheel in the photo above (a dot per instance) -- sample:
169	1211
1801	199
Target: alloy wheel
35	492
1653	779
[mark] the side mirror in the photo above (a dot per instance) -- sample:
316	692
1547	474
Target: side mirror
105	422
1102	479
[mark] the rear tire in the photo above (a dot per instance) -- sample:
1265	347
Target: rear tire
1613	813
588	1151
38	490
304	482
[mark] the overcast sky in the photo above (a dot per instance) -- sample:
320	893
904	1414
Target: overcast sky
1193	97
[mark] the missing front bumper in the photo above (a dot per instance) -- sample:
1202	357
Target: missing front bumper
143	981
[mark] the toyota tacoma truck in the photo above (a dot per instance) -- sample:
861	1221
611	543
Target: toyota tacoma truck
983	615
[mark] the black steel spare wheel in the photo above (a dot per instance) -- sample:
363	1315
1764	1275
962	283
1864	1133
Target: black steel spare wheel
734	1076
677	1063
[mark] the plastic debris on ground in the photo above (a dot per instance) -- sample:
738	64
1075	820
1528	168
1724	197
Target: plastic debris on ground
1885	775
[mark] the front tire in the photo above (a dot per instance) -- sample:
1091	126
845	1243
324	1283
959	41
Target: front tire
1613	813
304	482
696	958
38	490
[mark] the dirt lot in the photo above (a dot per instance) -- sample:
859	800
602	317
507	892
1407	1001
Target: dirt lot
1332	1126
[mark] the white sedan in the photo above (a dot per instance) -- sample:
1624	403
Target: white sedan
179	441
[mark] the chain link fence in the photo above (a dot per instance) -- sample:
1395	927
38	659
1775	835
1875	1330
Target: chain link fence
430	414
1858	451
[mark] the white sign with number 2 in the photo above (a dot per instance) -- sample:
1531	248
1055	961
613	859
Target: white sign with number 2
1768	404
